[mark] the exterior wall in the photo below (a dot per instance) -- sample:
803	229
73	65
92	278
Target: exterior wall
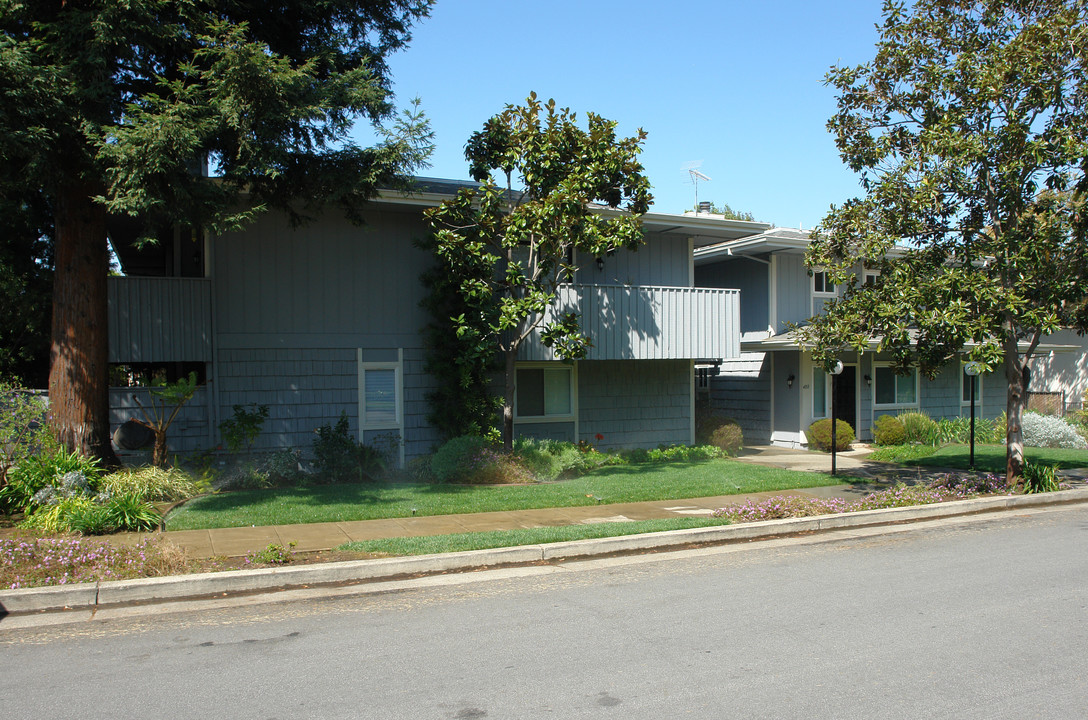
787	400
190	431
1064	372
748	276
662	260
746	398
794	290
635	404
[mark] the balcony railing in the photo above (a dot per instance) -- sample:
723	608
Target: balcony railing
639	322
159	319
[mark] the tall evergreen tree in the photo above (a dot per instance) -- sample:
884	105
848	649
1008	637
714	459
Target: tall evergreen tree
114	106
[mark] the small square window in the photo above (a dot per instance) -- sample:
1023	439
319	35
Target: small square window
821	285
544	392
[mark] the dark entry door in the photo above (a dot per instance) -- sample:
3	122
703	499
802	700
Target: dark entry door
846	396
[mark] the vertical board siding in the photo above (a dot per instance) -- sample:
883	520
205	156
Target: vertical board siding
794	290
156	319
648	323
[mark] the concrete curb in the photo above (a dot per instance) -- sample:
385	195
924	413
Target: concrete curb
165	589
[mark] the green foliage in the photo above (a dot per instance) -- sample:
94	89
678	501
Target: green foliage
507	251
152	484
729	213
46	470
452	461
23	431
339	457
1039	478
969	129
166	402
920	429
728	437
26	286
819	435
130	512
242	430
273	554
888	430
90	516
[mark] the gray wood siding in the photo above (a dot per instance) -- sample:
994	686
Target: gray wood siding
751	279
157	319
326	284
648	323
663	260
746	399
189	432
794	290
635	404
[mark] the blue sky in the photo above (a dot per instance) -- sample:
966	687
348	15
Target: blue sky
737	87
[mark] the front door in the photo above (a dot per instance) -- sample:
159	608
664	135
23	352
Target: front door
846	396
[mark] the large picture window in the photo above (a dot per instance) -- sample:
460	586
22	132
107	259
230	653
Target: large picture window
544	392
892	389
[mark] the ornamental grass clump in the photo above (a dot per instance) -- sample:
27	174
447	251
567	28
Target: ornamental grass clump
38	561
942	489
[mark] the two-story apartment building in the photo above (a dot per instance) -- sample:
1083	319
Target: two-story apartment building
325	319
776	390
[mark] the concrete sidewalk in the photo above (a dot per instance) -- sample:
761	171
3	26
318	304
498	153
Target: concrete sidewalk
314	537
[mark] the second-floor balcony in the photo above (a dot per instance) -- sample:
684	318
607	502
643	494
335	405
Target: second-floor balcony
640	322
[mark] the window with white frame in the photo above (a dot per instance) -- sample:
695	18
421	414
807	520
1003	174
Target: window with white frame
381	401
891	390
870	277
819	393
821	284
544	392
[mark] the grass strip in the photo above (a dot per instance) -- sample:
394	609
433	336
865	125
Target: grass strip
458	542
618	484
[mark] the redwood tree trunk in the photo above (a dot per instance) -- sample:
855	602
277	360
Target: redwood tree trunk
79	374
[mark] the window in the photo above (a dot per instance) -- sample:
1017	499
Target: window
381	397
892	389
821	285
870	277
819	393
544	392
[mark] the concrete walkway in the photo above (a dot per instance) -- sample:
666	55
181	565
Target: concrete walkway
236	542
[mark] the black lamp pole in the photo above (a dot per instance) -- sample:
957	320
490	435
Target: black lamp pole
972	369
834	423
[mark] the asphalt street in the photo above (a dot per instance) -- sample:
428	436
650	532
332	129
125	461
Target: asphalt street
979	617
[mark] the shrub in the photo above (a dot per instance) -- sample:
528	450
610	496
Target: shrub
1050	432
492	467
34	473
338	457
93	515
888	430
919	428
1040	478
242	430
23	431
450	463
151	483
728	437
819	435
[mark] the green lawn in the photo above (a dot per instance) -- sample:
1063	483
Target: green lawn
988	458
458	542
624	483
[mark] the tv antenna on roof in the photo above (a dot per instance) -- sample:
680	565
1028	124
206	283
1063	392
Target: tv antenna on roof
696	176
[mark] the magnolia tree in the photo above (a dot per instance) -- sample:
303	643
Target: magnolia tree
509	250
114	106
969	129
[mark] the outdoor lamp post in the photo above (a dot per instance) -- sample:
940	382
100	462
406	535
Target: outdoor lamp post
972	369
835	372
